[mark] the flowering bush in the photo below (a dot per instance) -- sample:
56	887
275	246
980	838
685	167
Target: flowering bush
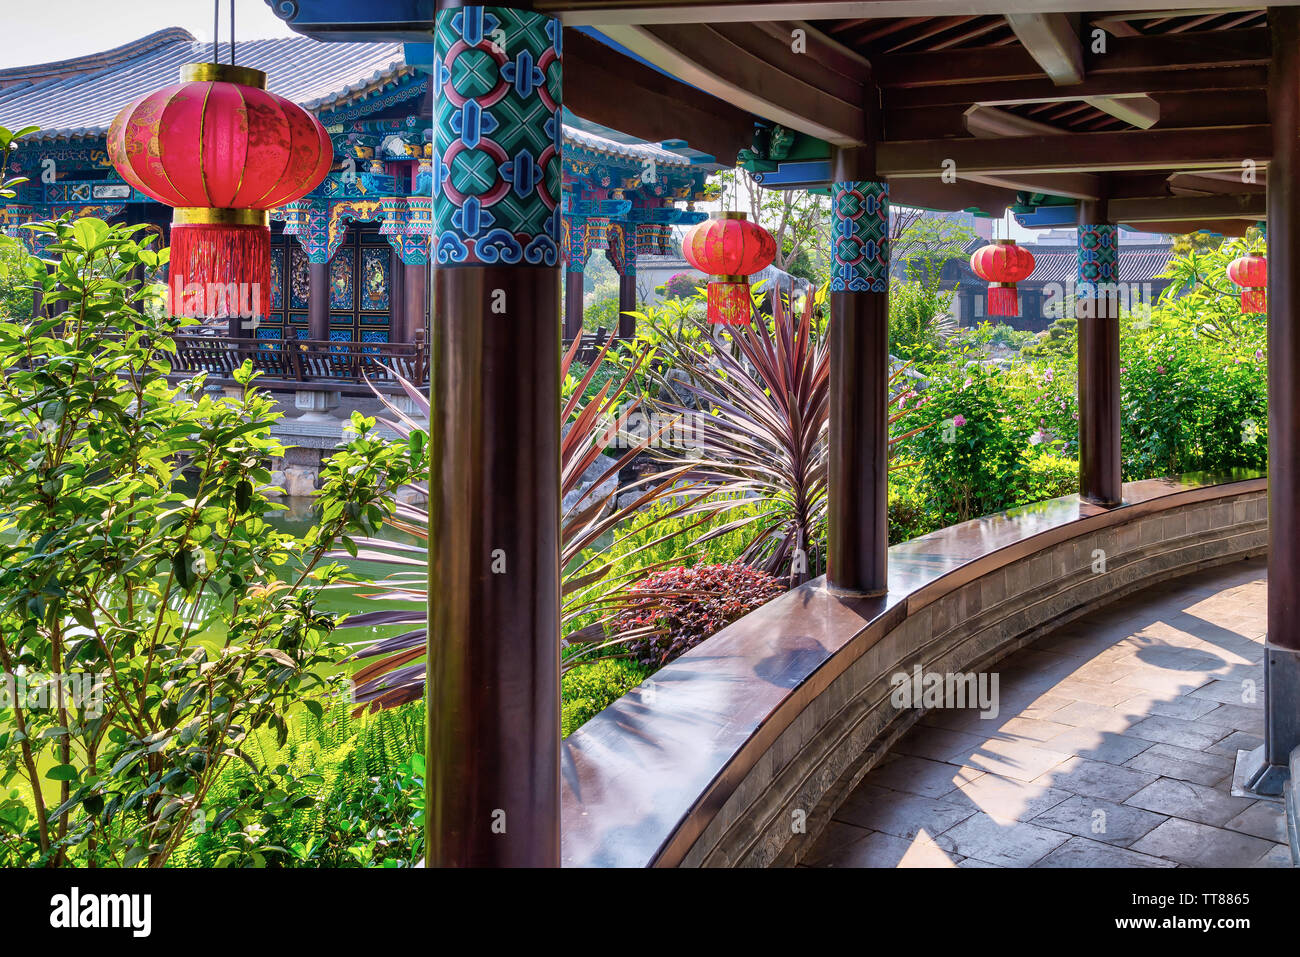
1193	400
687	605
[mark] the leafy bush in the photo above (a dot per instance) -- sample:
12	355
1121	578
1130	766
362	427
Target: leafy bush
920	313
592	687
682	285
684	606
340	791
180	618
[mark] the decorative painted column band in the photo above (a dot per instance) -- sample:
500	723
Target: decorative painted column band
860	236
573	243
647	239
1098	258
497	137
308	220
598	233
621	250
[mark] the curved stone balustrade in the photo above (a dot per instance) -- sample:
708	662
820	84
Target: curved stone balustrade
709	762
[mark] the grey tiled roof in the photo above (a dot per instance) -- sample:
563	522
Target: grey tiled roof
80	97
301	69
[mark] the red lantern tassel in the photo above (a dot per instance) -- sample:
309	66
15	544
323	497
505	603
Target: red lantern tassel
1003	301
1254	300
729	303
219	271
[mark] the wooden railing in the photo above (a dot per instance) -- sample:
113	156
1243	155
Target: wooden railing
309	364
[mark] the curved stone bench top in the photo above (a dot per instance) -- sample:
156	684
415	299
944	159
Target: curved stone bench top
642	779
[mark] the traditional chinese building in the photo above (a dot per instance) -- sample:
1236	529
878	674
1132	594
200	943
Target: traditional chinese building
350	261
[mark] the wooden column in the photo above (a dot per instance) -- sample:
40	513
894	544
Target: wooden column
573	304
397	328
415	298
857	497
1266	768
1097	311
626	303
318	300
493	781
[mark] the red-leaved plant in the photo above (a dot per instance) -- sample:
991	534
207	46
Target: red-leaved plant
764	433
677	608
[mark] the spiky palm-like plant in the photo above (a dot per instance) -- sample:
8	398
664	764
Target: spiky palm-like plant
592	588
764	436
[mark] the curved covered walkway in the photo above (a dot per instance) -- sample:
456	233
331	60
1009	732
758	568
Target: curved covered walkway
1113	746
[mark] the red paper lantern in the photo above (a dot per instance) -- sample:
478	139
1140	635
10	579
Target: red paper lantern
223	151
730	249
1002	264
1251	274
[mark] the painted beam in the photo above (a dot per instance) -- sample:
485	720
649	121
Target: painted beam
1169	209
605	87
703	57
600	12
1181	149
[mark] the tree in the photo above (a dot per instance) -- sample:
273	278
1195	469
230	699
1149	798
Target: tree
798	220
933	238
150	618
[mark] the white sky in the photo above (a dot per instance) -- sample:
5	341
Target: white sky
38	31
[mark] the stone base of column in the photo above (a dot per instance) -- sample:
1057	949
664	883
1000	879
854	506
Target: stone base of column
1263	772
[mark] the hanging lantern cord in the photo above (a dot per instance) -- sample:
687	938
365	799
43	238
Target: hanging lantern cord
216	31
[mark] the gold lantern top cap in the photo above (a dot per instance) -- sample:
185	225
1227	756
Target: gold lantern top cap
732	214
223	73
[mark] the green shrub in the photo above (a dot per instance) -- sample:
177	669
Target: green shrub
1047	475
341	791
589	689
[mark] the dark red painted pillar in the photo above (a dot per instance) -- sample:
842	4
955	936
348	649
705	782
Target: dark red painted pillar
493	784
397	330
626	303
572	304
318	300
1266	769
1097	311
415	296
858	493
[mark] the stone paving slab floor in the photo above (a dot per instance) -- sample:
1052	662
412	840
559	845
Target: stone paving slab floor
1122	756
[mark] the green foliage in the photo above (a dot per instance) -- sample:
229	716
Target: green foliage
920	317
993	429
1058	344
15	290
607	373
602	314
1203	298
590	688
1192	401
339	791
137	566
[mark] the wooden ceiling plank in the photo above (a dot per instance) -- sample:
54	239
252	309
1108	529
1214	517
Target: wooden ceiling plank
988	26
1173	52
936	27
1042	90
605	87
